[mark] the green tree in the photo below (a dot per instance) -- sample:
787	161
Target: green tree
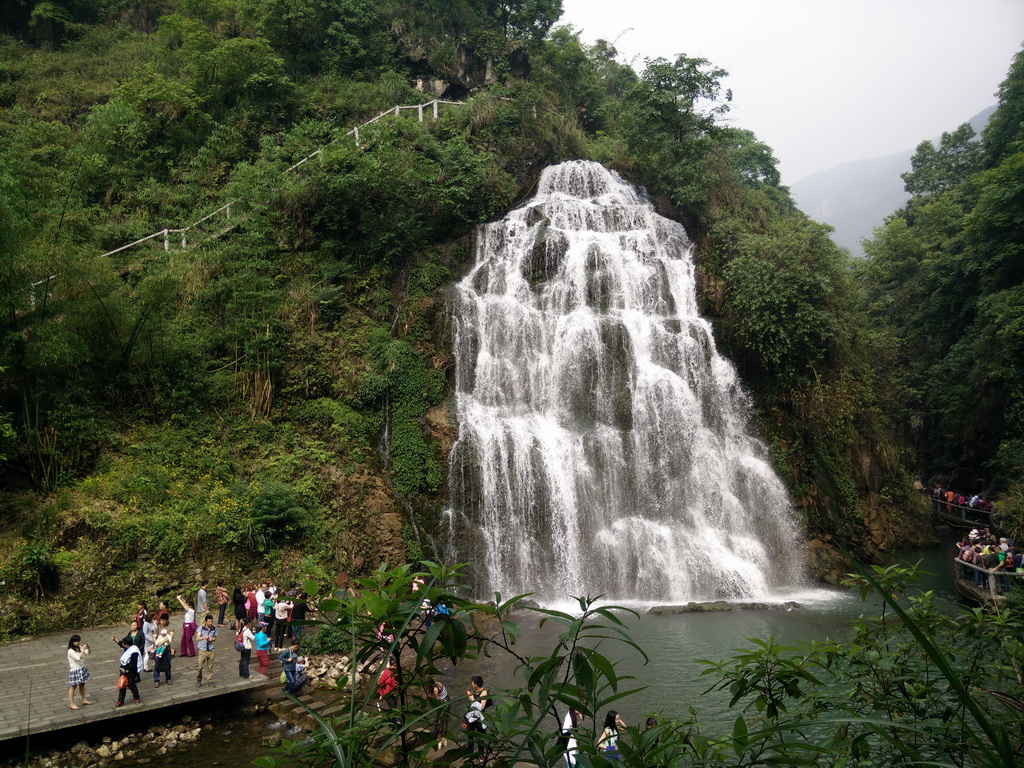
782	289
1004	134
934	170
668	118
527	20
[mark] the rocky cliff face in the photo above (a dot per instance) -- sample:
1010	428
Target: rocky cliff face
453	70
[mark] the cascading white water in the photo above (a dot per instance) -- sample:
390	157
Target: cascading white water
603	444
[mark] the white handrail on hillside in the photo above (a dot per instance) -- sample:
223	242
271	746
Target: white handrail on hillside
32	289
183	231
166	232
396	111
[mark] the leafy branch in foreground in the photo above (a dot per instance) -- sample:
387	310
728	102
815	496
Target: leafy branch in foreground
917	684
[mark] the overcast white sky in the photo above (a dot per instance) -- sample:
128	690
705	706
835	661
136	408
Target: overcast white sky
825	82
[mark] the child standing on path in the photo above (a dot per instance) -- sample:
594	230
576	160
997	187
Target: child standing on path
78	673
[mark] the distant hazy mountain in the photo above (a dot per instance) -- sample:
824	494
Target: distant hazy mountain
856	197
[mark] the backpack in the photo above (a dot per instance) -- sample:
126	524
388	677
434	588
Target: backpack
240	640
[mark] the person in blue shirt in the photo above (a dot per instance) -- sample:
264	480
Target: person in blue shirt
262	650
288	658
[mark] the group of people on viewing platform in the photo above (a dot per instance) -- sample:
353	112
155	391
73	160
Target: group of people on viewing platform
265	621
946	499
996	556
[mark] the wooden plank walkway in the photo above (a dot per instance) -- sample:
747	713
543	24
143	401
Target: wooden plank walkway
34	682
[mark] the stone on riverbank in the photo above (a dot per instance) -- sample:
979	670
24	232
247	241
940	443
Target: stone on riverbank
722	605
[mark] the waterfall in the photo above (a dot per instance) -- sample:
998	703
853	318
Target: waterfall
603	445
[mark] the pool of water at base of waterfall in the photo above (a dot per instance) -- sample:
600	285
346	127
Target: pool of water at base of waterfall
674	644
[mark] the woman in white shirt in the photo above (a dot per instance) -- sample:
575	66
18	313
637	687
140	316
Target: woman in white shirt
188	628
573	718
78	673
248	640
148	632
282	610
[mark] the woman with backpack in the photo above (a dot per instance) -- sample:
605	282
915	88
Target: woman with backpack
244	642
128	666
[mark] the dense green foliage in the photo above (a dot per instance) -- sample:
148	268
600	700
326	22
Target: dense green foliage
272	394
945	282
915	684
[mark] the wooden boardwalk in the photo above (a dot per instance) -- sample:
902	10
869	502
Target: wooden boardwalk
34	682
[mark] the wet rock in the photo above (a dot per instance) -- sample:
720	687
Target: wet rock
722	605
270	741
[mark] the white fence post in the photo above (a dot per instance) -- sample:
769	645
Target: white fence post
166	232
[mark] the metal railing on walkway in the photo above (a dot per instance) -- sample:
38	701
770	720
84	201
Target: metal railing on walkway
994	581
181	234
961	512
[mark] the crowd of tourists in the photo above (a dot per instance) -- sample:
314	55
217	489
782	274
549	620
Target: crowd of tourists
946	499
475	720
266	620
996	556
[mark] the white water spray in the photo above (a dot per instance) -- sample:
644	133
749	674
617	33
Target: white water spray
603	444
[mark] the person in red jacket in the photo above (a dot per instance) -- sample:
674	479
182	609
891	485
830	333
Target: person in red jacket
386	686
